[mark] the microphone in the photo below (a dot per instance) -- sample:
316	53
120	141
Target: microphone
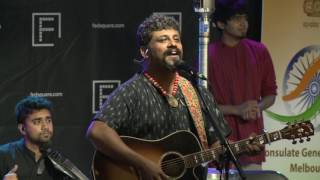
180	65
61	163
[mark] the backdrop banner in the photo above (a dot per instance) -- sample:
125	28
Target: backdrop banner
290	30
74	53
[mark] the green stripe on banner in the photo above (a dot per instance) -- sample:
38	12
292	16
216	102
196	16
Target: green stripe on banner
307	115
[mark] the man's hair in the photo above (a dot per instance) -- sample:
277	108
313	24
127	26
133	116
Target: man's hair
30	104
226	9
155	22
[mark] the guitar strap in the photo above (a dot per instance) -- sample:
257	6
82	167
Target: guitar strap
194	107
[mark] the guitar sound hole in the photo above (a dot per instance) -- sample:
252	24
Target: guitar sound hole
173	165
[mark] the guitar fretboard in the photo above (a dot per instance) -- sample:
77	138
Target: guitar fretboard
239	147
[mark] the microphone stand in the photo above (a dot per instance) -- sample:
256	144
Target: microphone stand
229	155
204	8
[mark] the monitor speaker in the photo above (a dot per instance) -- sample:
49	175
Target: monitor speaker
250	175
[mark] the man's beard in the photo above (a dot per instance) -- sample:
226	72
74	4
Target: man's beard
170	63
43	137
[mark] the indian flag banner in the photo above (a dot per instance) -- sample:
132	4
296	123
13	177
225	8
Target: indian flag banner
291	31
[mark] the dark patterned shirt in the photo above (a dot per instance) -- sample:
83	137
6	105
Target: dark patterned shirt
138	109
28	168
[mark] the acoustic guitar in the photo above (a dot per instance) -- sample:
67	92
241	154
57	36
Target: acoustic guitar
181	156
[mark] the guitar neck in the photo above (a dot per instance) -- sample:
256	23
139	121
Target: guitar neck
266	138
238	147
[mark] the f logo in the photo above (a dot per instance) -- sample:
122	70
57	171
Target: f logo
100	92
46	28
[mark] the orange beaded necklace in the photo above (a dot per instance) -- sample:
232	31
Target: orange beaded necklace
172	101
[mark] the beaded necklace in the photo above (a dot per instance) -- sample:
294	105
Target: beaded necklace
172	101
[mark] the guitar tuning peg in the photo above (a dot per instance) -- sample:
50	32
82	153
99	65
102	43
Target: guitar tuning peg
294	142
301	140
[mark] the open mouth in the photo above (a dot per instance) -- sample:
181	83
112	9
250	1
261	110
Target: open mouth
173	53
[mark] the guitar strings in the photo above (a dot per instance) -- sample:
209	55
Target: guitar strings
207	154
166	165
212	152
177	161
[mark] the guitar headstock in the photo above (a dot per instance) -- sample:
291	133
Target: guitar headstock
298	130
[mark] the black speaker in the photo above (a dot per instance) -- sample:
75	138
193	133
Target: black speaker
250	175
